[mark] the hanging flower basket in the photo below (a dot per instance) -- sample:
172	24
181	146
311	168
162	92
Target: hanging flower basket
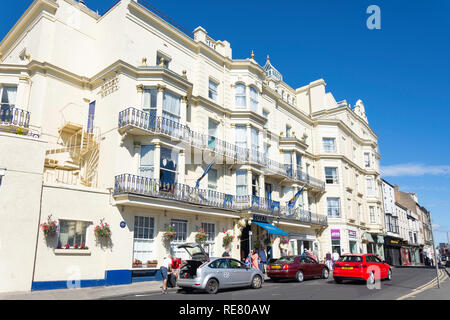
169	235
284	240
201	236
49	227
227	239
103	230
137	263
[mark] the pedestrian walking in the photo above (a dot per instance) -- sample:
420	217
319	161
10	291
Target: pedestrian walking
226	253
328	261
166	267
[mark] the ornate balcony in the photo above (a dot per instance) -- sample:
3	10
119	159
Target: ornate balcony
14	120
139	122
142	186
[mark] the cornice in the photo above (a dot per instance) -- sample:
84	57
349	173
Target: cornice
24	20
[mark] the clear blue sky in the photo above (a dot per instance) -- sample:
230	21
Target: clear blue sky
401	72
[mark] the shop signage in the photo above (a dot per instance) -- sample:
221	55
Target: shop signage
352	234
395	241
261	218
335	234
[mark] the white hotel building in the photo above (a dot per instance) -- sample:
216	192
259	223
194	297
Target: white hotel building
115	118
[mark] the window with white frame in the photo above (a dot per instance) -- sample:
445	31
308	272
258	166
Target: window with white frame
213	90
329	145
331	176
143	238
255	185
212	132
241	183
180	229
370	186
210	229
212	179
171	106
8	95
72	233
241	136
288	131
150	96
334	209
255	139
367	160
168	165
147	161
265	113
241	97
253	99
360	212
372	214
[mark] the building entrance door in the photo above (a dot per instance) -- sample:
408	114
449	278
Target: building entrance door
245	243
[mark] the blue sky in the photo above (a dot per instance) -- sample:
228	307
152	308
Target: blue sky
401	72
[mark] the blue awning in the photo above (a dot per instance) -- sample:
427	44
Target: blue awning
272	229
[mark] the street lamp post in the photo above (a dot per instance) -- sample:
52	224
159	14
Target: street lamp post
434	253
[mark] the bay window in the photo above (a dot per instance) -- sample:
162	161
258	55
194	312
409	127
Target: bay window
168	166
213	90
329	145
147	161
253	99
241	183
8	95
331	176
171	106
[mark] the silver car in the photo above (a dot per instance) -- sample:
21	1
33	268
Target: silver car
212	274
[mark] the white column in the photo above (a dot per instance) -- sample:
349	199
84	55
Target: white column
184	101
181	167
140	93
159	101
262	189
157	159
249	181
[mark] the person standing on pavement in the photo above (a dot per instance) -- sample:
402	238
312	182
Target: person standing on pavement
335	257
255	259
166	267
328	261
262	257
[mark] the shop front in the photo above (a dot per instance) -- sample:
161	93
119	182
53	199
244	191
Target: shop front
353	241
393	251
300	242
370	243
336	241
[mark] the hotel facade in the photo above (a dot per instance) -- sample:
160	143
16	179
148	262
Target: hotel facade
129	120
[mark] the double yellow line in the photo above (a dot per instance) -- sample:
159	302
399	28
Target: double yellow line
442	277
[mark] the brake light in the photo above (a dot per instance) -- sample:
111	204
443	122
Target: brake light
285	267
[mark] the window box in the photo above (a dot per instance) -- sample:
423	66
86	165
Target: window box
72	252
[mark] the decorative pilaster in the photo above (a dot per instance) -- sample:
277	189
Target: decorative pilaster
159	100
157	163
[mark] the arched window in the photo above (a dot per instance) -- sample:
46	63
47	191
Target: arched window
241	98
253	99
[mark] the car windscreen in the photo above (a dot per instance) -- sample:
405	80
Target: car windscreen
350	259
285	260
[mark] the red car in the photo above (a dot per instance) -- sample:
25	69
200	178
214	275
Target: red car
296	267
365	267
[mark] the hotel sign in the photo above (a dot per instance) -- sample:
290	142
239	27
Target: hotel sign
335	234
352	234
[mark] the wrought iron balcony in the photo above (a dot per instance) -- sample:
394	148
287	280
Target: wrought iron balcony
131	184
134	118
12	118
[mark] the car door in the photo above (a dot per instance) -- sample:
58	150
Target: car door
220	270
316	268
240	274
380	264
305	266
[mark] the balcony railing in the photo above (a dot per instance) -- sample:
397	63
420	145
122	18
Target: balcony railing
131	184
14	117
160	125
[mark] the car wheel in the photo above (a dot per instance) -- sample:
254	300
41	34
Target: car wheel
325	273
371	279
212	286
337	280
300	277
389	277
256	282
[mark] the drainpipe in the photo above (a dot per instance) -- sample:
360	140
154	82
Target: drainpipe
37	234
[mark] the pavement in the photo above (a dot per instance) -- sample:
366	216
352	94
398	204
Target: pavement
411	283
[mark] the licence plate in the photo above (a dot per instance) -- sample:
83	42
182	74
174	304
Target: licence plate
276	267
347	268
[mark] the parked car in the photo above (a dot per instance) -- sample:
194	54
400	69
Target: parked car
296	267
212	274
367	267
